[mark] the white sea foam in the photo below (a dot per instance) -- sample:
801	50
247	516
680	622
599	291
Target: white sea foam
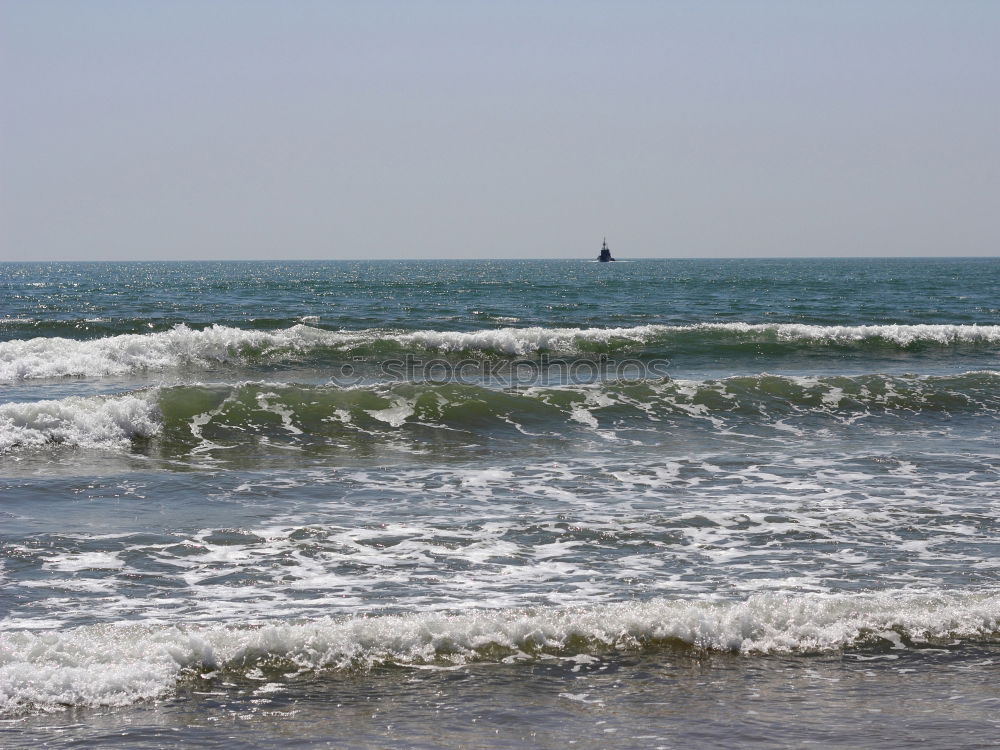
902	335
395	415
84	561
129	353
113	665
92	421
527	340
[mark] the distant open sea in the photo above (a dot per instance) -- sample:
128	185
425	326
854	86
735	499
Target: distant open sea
478	504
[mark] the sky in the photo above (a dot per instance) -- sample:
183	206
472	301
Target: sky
246	129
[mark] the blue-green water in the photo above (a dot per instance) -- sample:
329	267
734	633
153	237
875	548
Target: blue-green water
656	503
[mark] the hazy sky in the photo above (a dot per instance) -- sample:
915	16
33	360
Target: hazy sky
378	129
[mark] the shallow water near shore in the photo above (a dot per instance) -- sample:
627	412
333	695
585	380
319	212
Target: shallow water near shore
655	698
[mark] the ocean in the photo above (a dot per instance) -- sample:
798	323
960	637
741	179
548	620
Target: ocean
479	504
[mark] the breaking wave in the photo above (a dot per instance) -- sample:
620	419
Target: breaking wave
115	665
90	422
24	359
232	414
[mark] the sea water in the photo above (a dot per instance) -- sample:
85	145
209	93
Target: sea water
665	503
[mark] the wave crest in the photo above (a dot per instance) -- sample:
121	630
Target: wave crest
185	416
90	422
185	347
114	665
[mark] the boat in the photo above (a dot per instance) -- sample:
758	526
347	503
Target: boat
605	255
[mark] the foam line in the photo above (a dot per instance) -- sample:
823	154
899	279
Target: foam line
113	665
24	359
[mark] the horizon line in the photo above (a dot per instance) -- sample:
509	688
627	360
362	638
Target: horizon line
442	260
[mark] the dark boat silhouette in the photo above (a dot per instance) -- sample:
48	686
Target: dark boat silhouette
605	256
